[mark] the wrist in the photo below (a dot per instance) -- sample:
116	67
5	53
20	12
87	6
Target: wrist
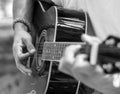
21	24
19	27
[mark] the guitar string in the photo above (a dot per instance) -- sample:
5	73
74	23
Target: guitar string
56	51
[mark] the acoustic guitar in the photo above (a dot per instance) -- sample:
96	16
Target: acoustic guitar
54	29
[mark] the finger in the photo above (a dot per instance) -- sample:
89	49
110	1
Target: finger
116	80
90	39
94	42
21	71
94	54
83	66
80	63
23	68
83	71
65	67
80	67
19	53
17	48
69	53
25	73
21	57
68	59
30	47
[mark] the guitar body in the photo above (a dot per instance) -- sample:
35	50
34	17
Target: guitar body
34	84
54	29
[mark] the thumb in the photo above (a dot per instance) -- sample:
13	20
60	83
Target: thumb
91	39
94	42
29	45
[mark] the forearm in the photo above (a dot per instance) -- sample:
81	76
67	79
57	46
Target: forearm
22	9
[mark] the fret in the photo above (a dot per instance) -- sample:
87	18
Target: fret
54	50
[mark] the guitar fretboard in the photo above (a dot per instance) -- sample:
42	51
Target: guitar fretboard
53	51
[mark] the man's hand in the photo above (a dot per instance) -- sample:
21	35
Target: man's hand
22	39
87	72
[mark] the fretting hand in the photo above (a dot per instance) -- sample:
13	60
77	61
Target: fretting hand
87	72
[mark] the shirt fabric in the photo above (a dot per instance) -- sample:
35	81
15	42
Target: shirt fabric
104	14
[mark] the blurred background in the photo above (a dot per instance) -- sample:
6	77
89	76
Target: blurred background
10	77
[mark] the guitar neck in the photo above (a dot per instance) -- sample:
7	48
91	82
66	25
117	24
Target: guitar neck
53	51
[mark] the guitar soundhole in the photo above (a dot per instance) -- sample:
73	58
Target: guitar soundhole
40	65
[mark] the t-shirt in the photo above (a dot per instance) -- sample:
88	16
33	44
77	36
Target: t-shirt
104	14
